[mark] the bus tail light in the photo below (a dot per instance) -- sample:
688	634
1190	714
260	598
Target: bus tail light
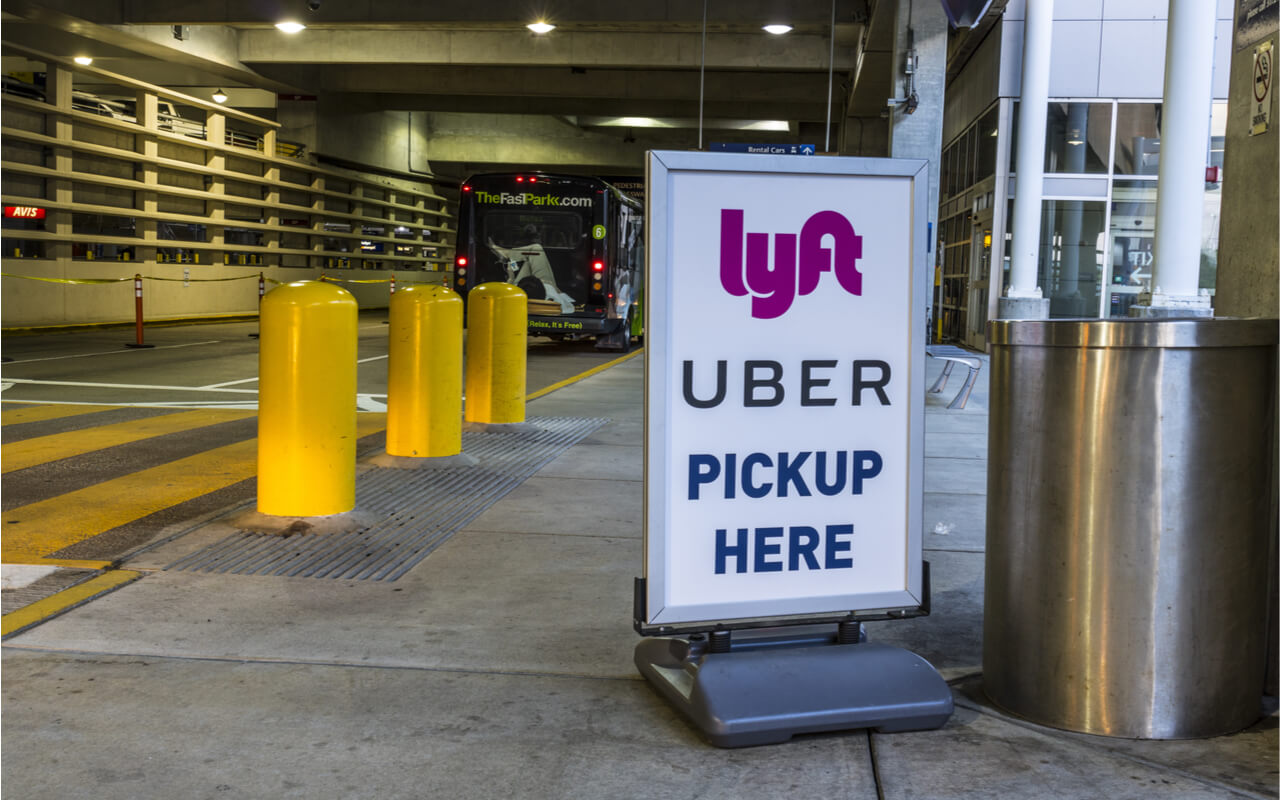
462	261
466	188
598	266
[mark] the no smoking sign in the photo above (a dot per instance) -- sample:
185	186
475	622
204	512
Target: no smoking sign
1263	71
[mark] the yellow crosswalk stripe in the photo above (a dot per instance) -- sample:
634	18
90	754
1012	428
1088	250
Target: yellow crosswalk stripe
33	531
14	416
43	449
41	610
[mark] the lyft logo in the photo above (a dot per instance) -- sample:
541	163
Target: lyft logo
796	269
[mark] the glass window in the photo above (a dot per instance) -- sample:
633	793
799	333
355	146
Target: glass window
987	133
1077	138
1217	134
519	229
1138	138
1070	258
1133	237
970	160
944	180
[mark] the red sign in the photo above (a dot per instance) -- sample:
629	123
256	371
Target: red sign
24	212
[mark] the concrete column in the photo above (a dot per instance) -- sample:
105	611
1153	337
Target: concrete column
58	81
215	133
271	199
1024	299
1184	145
921	38
146	229
317	221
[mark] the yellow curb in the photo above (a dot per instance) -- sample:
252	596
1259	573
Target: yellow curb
568	381
74	563
65	600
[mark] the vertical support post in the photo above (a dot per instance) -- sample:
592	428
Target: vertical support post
498	319
1024	298
1184	144
307	401
137	313
215	131
424	373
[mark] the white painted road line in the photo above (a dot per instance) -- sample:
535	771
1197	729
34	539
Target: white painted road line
115	352
251	380
127	386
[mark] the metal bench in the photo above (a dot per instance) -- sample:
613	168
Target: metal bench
954	355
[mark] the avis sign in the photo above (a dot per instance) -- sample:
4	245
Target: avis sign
783	457
24	212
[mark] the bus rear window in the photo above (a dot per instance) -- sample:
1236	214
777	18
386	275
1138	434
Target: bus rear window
518	229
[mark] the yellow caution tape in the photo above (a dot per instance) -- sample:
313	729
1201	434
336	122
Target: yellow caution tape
67	280
202	280
118	280
352	280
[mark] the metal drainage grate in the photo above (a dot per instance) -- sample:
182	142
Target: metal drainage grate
424	507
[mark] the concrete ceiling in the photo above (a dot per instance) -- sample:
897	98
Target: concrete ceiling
604	59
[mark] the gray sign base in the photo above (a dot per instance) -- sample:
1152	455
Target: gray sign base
766	689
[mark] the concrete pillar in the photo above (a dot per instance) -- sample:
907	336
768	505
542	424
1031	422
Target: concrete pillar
1184	145
1024	299
58	82
215	132
921	36
147	201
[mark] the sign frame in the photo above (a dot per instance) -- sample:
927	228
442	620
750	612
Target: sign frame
653	613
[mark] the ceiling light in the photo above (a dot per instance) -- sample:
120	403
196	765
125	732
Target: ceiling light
290	26
1074	138
541	27
778	30
219	96
83	61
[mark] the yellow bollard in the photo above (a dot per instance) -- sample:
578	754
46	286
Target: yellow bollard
498	320
424	373
307	401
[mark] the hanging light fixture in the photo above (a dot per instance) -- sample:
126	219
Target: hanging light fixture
219	96
83	61
1074	138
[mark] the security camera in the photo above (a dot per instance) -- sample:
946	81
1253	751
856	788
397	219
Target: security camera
314	5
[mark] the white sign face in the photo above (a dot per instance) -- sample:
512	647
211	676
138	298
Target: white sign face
784	373
1260	109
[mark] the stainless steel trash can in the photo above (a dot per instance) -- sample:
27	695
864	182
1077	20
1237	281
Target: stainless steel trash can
1128	493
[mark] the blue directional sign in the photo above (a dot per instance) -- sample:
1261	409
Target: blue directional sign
765	149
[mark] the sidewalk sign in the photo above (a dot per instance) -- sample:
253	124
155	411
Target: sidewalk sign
784	441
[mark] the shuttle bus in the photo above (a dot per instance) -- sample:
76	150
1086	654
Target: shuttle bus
574	244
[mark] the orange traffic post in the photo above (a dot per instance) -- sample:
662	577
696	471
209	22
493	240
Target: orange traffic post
307	401
424	373
137	313
498	320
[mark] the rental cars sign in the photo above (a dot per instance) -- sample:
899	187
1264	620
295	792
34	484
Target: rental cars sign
784	367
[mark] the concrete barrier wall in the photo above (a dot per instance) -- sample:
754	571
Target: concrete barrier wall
39	303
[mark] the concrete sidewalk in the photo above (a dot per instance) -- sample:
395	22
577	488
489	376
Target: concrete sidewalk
501	666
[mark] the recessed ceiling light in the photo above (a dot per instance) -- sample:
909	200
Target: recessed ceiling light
541	27
778	30
83	61
219	96
289	26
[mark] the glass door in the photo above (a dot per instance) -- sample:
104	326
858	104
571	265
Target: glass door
979	283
